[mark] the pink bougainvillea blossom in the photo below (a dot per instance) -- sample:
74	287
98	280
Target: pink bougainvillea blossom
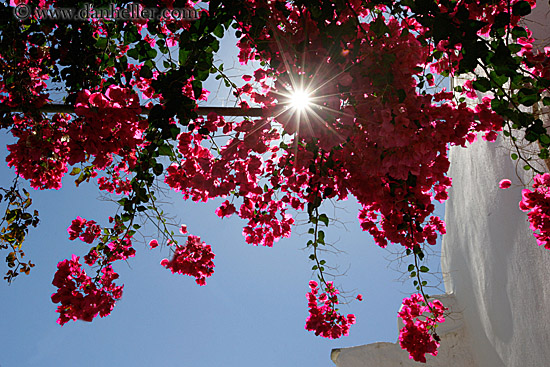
87	231
183	229
193	259
81	297
153	244
537	205
504	184
418	335
324	318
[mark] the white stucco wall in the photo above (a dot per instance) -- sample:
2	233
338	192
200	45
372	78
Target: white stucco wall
491	262
496	277
390	354
499	277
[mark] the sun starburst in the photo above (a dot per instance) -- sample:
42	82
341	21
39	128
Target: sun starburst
300	100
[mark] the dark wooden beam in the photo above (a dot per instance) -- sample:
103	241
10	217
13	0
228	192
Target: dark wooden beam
202	111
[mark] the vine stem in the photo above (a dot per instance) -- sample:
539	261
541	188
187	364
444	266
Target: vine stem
420	281
416	266
420	287
315	244
159	216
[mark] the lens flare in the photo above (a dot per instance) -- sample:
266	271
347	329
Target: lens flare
300	100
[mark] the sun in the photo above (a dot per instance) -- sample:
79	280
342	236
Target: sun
300	100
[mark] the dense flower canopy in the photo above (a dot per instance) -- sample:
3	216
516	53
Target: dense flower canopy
375	127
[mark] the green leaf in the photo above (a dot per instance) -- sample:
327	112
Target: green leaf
323	218
75	171
521	8
402	95
528	97
133	53
145	72
424	269
131	35
518	32
500	80
482	84
501	20
183	56
202	75
158	169
531	136
514	156
514	47
165	150
379	27
101	43
218	31
151	53
197	87
321	237
410	268
214	46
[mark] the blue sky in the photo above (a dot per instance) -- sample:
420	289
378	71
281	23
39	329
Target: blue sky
251	312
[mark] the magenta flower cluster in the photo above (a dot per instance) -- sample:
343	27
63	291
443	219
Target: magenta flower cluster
324	318
81	297
193	259
537	204
418	335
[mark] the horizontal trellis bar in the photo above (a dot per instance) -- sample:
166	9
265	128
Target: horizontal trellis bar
202	110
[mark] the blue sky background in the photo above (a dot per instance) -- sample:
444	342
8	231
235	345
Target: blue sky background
251	312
